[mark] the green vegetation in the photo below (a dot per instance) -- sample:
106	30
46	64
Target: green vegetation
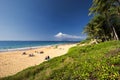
105	24
91	62
84	41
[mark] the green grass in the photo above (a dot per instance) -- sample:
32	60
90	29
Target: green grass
91	62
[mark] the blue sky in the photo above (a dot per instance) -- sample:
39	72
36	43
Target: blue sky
43	19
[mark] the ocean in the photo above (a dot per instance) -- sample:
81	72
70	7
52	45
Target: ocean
23	45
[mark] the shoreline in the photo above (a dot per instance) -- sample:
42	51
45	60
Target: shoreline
12	62
33	47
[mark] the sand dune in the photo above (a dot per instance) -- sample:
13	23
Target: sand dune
14	61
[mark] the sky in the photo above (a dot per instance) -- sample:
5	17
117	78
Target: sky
43	19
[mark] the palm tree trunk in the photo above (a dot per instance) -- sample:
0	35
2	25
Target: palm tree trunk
104	34
105	37
115	34
113	31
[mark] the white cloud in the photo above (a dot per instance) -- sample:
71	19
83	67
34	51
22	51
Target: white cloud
63	36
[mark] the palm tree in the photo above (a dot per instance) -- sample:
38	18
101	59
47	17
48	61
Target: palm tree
96	28
103	7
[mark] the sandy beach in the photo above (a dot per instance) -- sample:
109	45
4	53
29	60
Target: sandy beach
14	61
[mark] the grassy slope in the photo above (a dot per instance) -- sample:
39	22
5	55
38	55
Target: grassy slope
93	62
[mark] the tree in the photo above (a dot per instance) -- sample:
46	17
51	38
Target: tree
96	28
106	18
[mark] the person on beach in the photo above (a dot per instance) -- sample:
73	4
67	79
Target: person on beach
41	52
47	57
31	55
24	53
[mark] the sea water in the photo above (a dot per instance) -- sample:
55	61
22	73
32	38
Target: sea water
22	45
